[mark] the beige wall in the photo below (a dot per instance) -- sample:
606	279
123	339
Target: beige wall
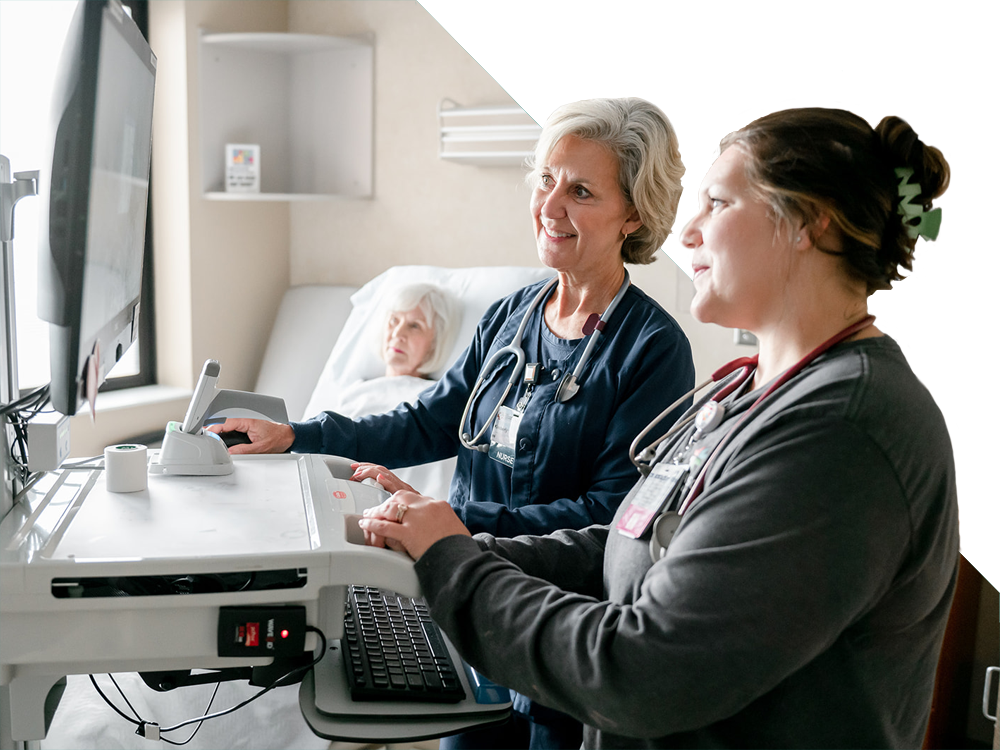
221	267
220	275
230	262
426	210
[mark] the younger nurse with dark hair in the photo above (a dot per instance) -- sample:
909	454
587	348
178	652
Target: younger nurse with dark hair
781	574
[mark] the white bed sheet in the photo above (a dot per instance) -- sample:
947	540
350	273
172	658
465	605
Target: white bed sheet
379	395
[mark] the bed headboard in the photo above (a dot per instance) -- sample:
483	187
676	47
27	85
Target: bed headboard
309	321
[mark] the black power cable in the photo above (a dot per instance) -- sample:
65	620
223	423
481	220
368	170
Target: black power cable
17	414
140	724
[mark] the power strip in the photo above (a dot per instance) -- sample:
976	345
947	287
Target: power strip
48	441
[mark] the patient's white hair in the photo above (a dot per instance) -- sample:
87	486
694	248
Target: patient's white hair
441	310
643	141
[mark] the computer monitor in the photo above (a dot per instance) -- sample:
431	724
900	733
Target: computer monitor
94	196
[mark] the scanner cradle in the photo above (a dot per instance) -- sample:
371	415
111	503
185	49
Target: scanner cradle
188	449
203	454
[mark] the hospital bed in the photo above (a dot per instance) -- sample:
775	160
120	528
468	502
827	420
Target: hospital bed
318	345
319	341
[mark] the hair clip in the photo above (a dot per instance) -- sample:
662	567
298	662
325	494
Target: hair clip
928	222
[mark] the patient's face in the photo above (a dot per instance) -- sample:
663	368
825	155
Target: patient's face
409	339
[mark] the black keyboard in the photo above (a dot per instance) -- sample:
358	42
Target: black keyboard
394	651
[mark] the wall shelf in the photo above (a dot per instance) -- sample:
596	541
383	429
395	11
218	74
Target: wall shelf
218	195
486	136
306	99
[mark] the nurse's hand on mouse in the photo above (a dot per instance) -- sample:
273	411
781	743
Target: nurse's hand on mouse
411	523
389	481
265	436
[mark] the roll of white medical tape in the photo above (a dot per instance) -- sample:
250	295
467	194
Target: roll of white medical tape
125	467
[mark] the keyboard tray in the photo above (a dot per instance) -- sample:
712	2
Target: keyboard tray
394	651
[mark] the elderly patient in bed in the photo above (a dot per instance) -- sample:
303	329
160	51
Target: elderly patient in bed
413	334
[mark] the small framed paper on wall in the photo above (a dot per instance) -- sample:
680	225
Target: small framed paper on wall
242	168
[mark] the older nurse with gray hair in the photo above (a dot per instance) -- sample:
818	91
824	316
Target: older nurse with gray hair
550	451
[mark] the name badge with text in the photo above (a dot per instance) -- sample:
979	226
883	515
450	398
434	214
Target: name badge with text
503	438
658	488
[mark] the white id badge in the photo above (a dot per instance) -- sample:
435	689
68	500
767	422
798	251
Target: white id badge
503	438
658	488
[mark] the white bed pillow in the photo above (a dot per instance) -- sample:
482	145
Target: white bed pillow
354	357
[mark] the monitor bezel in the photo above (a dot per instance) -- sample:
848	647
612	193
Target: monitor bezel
79	366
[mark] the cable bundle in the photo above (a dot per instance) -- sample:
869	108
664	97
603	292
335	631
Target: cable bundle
17	414
152	730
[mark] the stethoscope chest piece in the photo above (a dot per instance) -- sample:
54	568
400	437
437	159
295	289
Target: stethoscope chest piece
568	388
663	533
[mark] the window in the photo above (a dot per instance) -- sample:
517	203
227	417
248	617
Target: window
31	39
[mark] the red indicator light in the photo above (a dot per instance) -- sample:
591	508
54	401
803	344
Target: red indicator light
284	633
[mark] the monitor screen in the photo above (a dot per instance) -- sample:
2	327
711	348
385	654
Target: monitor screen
94	205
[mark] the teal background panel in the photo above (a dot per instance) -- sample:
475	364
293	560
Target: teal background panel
714	67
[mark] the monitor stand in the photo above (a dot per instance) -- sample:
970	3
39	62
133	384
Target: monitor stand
11	191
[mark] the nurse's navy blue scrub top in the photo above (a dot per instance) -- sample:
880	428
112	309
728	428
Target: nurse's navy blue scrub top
571	468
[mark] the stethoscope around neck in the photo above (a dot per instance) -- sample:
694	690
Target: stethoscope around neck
645	460
568	387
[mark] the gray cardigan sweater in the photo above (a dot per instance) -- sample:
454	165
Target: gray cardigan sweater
801	603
